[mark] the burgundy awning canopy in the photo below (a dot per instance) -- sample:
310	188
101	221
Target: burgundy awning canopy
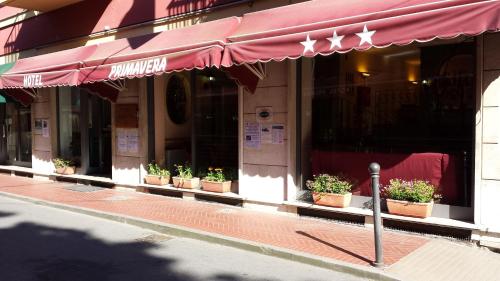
197	46
326	26
49	70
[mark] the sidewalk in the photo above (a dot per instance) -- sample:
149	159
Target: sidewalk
303	239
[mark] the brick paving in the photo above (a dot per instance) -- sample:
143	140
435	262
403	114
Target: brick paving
353	244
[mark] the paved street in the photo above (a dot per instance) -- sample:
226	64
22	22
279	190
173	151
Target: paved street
46	244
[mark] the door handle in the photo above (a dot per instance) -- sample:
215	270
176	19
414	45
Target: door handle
3	130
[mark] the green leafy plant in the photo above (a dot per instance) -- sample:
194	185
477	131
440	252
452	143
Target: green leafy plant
418	191
184	172
216	175
155	170
62	163
325	183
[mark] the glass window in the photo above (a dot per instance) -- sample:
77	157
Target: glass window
208	133
177	106
410	108
216	122
69	124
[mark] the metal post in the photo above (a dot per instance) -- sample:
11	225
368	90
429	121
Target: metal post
374	169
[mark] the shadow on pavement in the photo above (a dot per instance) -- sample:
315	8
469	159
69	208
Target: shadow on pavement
335	246
30	251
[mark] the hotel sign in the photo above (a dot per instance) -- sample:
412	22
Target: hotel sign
138	68
32	81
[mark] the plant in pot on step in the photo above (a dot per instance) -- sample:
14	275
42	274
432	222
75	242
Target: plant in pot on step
156	175
184	178
216	181
413	198
332	191
64	166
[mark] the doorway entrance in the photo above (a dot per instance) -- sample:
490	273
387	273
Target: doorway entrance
99	136
15	133
84	131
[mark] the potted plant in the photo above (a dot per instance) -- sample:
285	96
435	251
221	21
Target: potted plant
332	191
185	178
216	181
63	166
156	175
410	198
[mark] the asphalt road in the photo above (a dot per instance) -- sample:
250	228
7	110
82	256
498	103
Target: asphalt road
47	244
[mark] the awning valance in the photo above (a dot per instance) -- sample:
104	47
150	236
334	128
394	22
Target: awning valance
326	26
49	70
197	46
19	95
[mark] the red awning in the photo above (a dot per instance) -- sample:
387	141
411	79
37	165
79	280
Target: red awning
197	46
326	26
49	70
19	95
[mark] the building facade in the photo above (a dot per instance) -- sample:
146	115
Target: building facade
270	106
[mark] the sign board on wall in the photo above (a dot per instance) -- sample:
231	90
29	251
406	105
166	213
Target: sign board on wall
42	127
126	116
252	135
264	113
257	134
278	133
45	128
127	141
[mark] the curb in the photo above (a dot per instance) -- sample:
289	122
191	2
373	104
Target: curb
180	231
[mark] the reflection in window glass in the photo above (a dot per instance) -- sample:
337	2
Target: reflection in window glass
216	121
69	124
409	108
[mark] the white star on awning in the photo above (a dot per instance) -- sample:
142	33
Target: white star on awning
335	40
366	36
308	44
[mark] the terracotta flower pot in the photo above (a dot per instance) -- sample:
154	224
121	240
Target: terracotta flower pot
70	170
332	200
186	183
157	180
411	209
214	186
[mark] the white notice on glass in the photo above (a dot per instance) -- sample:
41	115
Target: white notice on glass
278	132
252	135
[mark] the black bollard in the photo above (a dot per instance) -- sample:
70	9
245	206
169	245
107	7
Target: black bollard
374	169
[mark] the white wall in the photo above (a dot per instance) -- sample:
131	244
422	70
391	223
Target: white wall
42	147
487	207
264	170
129	168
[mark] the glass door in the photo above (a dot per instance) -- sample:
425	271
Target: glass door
99	135
17	123
3	135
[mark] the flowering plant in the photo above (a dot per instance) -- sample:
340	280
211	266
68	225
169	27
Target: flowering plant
155	170
184	172
418	191
61	163
329	184
216	175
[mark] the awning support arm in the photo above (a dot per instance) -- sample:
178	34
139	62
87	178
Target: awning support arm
33	92
119	84
259	69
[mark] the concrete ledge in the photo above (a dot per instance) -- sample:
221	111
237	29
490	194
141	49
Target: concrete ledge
368	214
15	170
84	179
179	231
191	192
